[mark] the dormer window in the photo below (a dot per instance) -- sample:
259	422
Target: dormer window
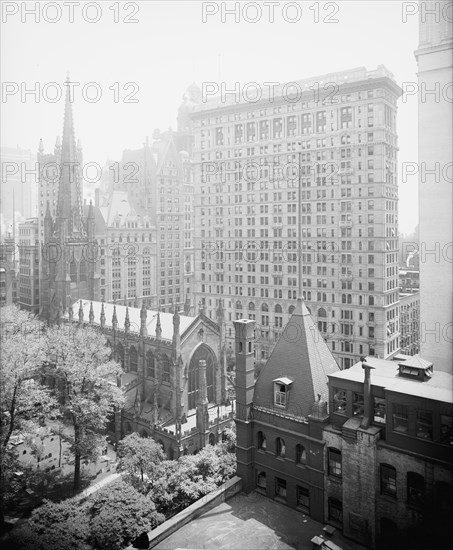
280	395
281	391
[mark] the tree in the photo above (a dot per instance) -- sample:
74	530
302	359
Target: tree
119	515
138	457
54	526
24	401
86	385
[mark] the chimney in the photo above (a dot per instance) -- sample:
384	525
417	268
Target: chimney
367	403
245	382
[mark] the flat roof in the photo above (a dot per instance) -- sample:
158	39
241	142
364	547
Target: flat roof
249	522
385	374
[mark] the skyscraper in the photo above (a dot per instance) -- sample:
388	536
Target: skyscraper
435	71
334	139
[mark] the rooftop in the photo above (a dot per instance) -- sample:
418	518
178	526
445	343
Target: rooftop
249	522
385	375
301	359
166	319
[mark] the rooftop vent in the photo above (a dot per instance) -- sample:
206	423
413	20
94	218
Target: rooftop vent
416	368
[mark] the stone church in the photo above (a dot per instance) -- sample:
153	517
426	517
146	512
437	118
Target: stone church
174	373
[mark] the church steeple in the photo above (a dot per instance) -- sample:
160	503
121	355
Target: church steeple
69	206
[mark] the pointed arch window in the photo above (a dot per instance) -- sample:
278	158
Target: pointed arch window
73	271
150	365
165	369
133	359
83	271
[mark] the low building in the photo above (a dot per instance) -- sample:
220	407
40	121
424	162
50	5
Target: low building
389	448
366	450
174	373
280	417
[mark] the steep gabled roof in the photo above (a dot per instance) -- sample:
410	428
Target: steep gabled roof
302	356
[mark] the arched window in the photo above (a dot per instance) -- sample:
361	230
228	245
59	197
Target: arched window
165	369
251	306
203	352
264	307
278	309
83	271
322	312
415	489
261	441
133	359
291	309
280	449
73	271
301	454
150	365
211	439
388	480
120	355
238	305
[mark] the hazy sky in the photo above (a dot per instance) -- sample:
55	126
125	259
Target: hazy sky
170	46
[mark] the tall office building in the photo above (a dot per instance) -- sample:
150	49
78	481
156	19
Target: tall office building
435	72
157	179
330	144
18	195
29	251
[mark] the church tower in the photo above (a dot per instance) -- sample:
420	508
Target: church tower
69	262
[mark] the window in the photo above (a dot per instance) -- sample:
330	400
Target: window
357	404
339	401
280	394
165	369
446	429
280	488
379	410
335	511
280	449
261	481
150	365
334	462
415	489
133	359
400	418
303	499
388	480
261	441
301	454
424	424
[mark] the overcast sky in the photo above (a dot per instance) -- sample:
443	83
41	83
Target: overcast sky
170	46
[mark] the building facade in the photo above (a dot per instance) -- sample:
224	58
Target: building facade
367	450
174	373
127	247
410	323
389	453
157	179
29	253
281	415
337	146
435	143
